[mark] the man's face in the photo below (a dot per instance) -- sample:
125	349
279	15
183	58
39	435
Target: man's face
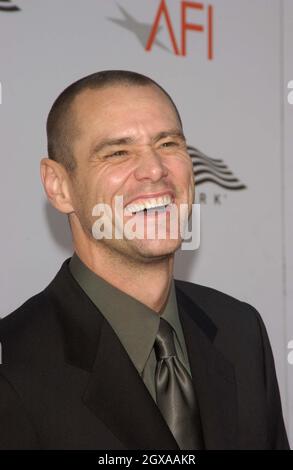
130	144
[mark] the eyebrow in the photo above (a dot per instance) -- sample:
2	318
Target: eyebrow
130	140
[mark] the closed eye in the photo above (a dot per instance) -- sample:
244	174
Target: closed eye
119	153
169	144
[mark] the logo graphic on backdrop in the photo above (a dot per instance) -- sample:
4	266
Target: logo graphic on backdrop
140	29
213	170
8	5
147	32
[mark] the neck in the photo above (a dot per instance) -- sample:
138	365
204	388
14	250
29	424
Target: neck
148	282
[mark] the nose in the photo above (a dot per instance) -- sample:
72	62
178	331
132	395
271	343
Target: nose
150	166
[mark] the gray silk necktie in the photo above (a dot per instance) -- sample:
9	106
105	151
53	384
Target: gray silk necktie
175	394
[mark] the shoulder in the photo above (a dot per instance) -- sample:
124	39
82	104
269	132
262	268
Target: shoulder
27	333
23	314
232	317
217	303
241	334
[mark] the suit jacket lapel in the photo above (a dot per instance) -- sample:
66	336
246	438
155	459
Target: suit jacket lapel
213	376
117	395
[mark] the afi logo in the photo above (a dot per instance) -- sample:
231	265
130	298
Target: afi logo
179	47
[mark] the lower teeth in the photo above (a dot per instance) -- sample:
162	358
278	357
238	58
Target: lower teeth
152	209
159	209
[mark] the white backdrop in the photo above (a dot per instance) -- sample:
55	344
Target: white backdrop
234	108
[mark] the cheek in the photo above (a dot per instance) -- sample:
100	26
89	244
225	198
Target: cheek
86	190
183	172
108	183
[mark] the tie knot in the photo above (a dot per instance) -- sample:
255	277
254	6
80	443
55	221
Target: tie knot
164	344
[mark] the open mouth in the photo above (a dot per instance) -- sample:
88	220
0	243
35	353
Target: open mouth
151	205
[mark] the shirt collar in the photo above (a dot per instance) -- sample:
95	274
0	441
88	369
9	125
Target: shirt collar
135	324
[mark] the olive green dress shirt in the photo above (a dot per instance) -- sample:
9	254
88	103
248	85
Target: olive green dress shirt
134	323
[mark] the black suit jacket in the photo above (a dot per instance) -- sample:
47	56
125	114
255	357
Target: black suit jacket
66	382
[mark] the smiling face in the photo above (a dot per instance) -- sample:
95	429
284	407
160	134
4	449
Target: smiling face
129	143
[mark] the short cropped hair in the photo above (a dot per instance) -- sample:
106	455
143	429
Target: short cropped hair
61	125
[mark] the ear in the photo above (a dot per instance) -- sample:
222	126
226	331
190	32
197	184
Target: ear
56	185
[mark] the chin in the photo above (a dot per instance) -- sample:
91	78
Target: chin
158	248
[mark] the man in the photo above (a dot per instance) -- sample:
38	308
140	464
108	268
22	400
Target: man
115	353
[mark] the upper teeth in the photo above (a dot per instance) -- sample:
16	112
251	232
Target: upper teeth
149	203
